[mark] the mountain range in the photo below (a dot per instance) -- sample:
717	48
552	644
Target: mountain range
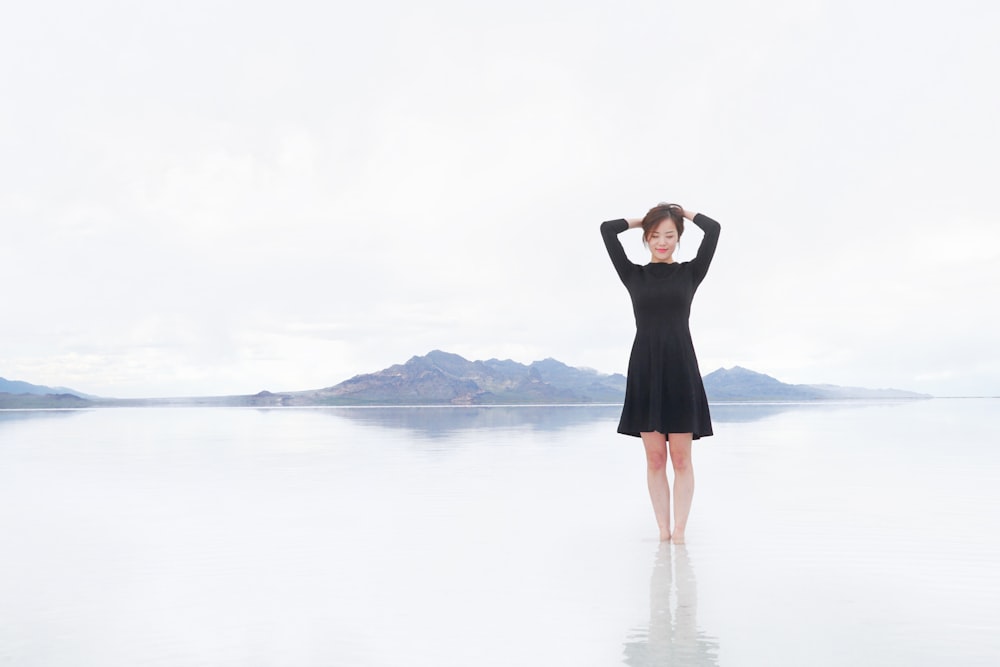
741	384
20	387
443	378
20	394
446	378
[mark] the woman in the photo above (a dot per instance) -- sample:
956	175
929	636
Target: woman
665	402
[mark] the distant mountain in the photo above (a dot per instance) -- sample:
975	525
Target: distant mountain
27	401
19	387
16	394
445	378
832	391
741	384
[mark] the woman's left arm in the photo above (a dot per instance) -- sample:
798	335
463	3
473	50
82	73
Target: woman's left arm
709	241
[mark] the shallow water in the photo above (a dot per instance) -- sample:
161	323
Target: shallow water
854	533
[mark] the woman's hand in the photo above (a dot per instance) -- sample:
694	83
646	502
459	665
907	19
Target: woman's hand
637	222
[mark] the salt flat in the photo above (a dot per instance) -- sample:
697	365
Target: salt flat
821	534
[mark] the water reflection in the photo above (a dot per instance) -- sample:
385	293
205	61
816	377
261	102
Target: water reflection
444	421
15	416
751	412
672	636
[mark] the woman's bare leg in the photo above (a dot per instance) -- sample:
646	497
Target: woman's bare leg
680	457
656	478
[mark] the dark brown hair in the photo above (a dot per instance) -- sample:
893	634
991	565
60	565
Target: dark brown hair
658	214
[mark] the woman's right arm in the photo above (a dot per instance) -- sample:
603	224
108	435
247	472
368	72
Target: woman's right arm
610	231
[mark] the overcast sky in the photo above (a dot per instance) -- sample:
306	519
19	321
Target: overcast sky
222	197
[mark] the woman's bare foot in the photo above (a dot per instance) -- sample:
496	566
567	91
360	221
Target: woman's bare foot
665	536
677	537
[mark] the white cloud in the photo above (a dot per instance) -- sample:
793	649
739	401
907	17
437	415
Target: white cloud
199	201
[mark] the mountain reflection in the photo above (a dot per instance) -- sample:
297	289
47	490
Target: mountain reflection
443	421
751	412
16	416
672	636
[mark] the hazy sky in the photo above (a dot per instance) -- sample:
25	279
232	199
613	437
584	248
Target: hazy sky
223	197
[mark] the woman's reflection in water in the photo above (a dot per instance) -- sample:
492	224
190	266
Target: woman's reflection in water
672	637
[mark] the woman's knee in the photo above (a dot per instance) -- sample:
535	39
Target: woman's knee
680	451
656	450
656	459
681	462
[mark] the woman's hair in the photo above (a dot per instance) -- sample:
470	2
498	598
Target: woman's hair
658	214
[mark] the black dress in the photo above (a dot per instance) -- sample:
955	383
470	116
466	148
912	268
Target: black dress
664	391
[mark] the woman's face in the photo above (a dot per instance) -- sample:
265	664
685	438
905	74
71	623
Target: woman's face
662	241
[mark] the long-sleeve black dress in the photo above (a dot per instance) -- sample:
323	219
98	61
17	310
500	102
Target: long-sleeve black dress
664	391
